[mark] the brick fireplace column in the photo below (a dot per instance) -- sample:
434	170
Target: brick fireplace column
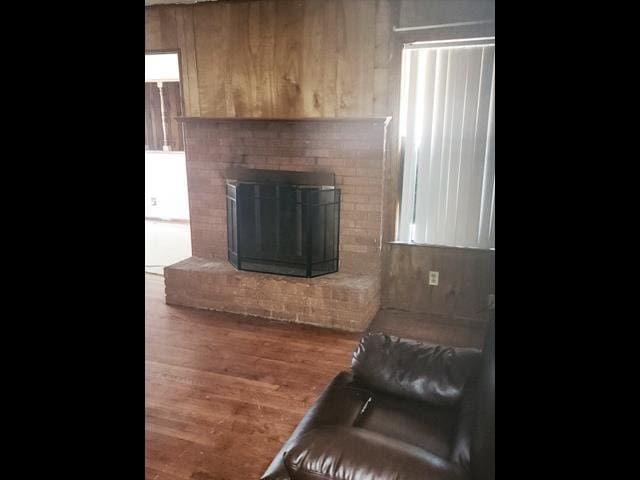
352	149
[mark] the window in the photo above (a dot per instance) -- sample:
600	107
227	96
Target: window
447	134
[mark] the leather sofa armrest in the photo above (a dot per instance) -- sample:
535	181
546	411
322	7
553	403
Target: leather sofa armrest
417	370
341	403
342	453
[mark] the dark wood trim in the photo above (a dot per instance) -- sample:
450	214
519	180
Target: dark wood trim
449	33
153	51
432	245
393	176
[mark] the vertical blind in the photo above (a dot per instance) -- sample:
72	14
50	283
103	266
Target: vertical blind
447	132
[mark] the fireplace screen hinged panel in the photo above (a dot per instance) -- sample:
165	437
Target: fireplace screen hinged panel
282	228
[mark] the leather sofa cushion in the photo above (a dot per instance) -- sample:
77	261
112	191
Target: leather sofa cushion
342	453
427	426
341	403
412	369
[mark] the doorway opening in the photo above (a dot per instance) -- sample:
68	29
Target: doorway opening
167	229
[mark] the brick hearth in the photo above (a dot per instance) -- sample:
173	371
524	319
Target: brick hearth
339	300
353	149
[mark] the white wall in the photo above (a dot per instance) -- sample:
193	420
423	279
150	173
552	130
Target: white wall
166	181
165	244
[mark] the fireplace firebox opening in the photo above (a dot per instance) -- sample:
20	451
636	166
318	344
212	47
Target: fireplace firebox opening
283	228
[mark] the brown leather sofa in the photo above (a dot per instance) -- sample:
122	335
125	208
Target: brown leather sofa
407	410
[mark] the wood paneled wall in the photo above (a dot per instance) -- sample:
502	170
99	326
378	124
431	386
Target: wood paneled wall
279	58
467	278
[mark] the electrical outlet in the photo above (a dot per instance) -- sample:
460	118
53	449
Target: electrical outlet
434	278
153	201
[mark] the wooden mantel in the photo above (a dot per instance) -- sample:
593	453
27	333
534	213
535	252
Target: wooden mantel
299	119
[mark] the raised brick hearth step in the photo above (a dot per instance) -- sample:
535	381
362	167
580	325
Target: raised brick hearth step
340	300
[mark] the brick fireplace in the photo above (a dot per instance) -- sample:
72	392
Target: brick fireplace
351	149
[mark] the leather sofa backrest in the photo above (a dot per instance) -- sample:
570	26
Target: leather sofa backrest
412	369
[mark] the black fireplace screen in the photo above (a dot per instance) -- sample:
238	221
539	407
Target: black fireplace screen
283	229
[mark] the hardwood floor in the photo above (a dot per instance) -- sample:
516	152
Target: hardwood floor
223	391
429	328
